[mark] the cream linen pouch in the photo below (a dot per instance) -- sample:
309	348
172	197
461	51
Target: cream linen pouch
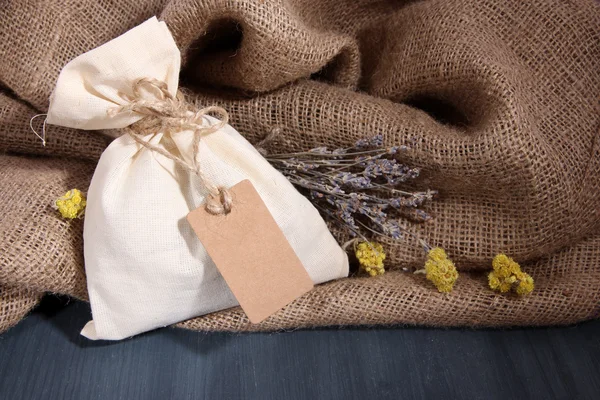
145	266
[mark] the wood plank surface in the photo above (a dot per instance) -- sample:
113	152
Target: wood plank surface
44	357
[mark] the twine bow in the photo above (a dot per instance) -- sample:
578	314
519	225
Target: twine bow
172	114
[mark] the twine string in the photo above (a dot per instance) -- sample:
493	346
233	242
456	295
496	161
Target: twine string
43	135
171	114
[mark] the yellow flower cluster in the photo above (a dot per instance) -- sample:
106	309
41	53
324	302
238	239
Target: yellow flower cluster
72	204
507	274
370	255
440	270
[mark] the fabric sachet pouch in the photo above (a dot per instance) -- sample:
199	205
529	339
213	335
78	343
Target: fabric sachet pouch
145	266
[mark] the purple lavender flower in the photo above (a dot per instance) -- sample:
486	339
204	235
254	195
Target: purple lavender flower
362	143
353	180
358	186
375	141
393	229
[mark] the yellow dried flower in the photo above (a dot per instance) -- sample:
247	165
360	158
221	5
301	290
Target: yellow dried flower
72	204
494	281
440	270
370	255
507	274
525	284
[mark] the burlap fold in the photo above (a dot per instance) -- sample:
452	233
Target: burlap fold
15	304
498	100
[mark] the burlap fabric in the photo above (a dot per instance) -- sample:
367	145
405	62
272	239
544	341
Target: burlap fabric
499	101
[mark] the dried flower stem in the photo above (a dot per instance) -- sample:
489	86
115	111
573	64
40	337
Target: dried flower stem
357	187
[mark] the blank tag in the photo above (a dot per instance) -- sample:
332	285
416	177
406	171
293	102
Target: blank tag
256	260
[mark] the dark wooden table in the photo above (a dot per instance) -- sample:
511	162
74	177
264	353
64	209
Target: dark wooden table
44	357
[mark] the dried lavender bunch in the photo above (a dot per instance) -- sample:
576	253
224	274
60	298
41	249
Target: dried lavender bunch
358	186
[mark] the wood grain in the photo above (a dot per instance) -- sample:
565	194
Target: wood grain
45	358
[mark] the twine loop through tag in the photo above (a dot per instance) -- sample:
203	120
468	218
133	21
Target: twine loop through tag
166	113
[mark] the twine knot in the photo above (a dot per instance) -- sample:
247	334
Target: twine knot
170	114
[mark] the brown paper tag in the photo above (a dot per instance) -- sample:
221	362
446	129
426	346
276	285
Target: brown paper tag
256	260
